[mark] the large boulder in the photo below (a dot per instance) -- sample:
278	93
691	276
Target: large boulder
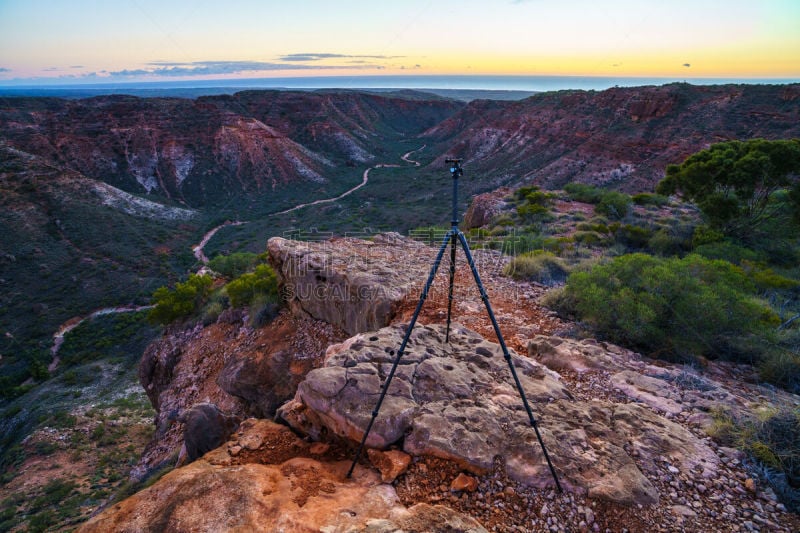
230	489
353	284
485	207
458	401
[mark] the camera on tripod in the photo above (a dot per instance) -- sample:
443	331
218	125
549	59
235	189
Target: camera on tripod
455	167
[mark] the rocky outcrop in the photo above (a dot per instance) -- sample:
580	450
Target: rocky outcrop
268	375
241	370
457	401
681	393
246	486
485	207
355	285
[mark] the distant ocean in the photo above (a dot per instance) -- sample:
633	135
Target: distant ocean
508	83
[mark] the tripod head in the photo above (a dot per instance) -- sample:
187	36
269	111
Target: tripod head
455	167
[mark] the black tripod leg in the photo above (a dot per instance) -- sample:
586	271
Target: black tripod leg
450	235
506	355
450	289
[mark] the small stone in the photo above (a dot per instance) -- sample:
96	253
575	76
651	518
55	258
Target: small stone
251	441
683	511
509	491
750	485
465	483
234	450
672	469
589	514
319	448
391	463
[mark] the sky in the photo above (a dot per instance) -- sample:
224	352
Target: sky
88	41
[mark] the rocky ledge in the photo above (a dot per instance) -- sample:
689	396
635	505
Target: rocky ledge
353	284
457	401
266	479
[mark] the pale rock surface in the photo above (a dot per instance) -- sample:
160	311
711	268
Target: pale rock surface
457	401
354	284
296	495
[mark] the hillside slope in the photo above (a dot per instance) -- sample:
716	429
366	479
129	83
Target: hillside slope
621	138
196	151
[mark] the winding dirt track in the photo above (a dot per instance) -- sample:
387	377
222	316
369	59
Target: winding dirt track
364	181
197	250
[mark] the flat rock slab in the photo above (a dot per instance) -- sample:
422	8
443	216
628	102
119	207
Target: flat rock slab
293	495
353	284
458	401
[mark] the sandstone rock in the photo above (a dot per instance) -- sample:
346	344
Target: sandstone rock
561	354
657	393
456	401
260	367
350	283
291	494
205	427
625	485
432	377
485	207
463	482
300	495
268	377
390	463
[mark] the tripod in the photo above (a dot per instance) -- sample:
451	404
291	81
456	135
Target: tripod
451	237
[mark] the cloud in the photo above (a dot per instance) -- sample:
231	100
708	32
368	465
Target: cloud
76	66
210	68
3	69
687	65
320	56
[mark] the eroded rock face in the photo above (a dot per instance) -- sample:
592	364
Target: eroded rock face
353	284
485	207
457	401
221	493
432	376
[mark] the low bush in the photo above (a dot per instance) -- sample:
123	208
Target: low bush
235	264
543	267
580	192
646	198
782	368
615	205
261	283
182	301
675	308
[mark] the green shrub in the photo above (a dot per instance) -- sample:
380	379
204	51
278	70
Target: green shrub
781	368
589	238
727	251
670	307
632	237
614	205
533	213
246	288
181	302
706	235
235	264
666	243
580	192
543	267
646	198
